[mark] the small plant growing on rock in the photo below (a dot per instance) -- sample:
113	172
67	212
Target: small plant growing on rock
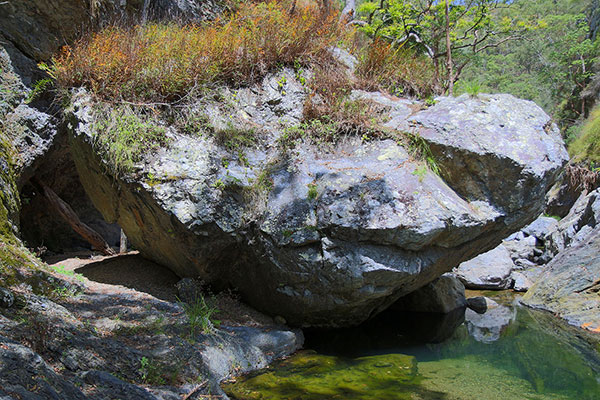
124	137
420	149
312	191
152	372
200	315
472	88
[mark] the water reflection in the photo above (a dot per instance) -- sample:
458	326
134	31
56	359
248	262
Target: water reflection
488	327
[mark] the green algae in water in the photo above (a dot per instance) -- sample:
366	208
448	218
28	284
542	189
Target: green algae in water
535	358
311	376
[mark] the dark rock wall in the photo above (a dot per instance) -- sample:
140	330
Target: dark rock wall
32	31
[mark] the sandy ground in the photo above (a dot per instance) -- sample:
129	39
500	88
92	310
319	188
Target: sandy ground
132	273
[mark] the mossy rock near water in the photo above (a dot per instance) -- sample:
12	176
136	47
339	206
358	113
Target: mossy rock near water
327	234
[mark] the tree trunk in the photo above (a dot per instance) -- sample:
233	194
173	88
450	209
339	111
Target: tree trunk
347	14
449	52
67	213
123	243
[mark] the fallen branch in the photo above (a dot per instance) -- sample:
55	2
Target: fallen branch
67	213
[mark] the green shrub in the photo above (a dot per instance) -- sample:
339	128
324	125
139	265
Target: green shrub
586	147
124	137
472	88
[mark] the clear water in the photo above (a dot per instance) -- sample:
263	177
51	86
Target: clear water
521	354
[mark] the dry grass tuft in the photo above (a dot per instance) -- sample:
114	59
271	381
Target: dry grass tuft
165	62
398	71
330	102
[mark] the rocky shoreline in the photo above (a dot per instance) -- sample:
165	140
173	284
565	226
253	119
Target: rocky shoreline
86	339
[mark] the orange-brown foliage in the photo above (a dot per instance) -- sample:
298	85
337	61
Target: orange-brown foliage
329	101
398	71
164	62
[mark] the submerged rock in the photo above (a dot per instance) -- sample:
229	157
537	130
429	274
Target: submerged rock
329	235
312	376
488	327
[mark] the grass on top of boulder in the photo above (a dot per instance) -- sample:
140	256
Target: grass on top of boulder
397	70
164	62
124	135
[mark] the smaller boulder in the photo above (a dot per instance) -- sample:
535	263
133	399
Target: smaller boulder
515	236
477	304
524	278
489	270
540	227
521	282
488	327
523	249
443	295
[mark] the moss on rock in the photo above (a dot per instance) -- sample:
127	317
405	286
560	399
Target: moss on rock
9	198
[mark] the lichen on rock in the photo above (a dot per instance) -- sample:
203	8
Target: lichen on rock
343	229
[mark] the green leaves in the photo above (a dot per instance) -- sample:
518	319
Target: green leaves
470	27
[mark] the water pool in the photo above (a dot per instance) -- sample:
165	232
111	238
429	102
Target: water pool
510	352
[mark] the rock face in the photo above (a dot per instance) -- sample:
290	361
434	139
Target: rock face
569	287
131	346
577	225
343	230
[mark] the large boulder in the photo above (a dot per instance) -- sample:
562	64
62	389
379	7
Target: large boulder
328	234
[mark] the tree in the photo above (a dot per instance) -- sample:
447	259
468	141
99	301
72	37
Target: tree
451	32
552	64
